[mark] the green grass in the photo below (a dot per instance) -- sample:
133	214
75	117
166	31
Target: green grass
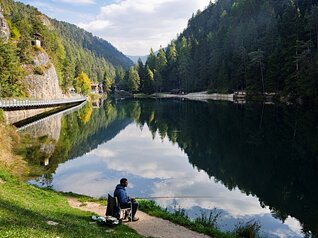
25	211
205	224
202	225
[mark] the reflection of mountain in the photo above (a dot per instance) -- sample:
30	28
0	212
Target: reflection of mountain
99	137
79	133
269	151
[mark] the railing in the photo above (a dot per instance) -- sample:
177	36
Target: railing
22	103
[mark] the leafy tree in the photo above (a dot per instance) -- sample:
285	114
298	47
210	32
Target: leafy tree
83	84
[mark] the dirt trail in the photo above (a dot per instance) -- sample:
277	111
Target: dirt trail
146	226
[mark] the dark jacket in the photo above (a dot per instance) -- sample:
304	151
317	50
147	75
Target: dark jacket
121	194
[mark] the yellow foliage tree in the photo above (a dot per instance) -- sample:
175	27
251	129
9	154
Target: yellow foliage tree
86	113
83	84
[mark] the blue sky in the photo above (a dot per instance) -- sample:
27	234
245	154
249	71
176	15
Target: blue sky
132	26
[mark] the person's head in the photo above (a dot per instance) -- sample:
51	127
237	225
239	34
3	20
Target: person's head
124	182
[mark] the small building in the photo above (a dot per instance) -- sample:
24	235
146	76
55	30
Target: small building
94	87
97	88
37	40
100	88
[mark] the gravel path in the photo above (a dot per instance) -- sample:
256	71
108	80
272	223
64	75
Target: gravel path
146	226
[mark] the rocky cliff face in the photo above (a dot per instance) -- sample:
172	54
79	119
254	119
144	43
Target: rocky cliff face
4	28
42	80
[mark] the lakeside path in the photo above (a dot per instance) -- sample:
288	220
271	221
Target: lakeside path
147	226
198	96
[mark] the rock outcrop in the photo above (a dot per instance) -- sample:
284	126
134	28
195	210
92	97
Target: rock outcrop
42	80
4	28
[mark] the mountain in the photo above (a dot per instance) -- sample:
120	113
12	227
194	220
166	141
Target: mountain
101	48
37	52
253	45
136	58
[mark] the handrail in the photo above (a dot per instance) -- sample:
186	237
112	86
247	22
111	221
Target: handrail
18	103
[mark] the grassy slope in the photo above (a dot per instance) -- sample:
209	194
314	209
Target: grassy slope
25	211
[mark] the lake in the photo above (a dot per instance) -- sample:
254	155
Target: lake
243	162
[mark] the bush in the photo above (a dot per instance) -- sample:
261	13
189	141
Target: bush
208	220
248	230
38	70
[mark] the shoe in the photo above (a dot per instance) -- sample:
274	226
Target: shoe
134	219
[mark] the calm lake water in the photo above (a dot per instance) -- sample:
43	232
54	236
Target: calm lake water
249	162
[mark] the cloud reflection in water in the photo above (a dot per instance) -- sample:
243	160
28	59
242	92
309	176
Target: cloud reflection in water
157	168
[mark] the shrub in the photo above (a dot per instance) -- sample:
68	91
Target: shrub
208	220
248	230
38	70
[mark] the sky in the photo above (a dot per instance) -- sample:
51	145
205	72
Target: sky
132	26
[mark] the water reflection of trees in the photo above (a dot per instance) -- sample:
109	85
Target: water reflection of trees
79	133
266	150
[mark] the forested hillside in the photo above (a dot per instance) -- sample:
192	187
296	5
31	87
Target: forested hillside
253	45
71	50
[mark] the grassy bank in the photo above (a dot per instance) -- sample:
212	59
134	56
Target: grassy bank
27	211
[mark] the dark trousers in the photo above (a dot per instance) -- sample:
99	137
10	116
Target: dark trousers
134	207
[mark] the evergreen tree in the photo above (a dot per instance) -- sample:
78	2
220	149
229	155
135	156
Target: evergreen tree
11	73
184	65
133	80
108	82
149	81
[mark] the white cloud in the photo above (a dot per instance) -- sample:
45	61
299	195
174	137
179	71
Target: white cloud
134	26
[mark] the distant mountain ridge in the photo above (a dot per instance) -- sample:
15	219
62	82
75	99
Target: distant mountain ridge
96	45
136	58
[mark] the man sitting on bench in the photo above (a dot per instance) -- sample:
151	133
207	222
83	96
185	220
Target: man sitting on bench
123	199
